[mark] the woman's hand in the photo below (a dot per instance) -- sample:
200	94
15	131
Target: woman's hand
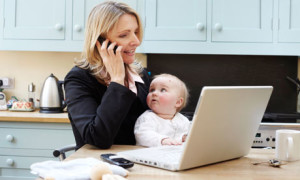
113	62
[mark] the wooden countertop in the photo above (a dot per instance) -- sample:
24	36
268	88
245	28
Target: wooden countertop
241	168
34	116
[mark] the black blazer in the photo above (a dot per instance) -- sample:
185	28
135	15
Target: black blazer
102	115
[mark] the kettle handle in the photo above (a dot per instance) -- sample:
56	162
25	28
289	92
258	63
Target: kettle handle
61	94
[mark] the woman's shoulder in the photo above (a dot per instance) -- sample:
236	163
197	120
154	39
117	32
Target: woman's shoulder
79	73
82	76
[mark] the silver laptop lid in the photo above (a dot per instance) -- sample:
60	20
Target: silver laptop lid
224	125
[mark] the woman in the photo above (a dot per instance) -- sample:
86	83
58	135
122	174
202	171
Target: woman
106	90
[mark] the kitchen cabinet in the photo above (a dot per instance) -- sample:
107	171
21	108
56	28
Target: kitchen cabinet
1	20
30	137
36	25
34	19
242	21
82	9
48	25
24	143
175	20
289	21
240	27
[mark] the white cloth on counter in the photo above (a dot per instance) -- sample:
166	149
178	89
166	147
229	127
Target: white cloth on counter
77	169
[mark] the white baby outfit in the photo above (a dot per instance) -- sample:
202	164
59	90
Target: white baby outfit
150	129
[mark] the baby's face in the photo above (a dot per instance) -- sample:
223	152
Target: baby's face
163	96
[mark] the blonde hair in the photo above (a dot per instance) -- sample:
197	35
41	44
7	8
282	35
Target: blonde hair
184	92
101	20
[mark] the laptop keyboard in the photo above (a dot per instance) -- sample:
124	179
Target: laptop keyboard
166	157
163	153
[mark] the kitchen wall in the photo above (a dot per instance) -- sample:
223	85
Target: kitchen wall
232	70
299	67
298	104
26	67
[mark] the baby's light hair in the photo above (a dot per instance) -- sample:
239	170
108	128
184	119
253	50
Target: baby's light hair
184	92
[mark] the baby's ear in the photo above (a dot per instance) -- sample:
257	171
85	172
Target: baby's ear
179	102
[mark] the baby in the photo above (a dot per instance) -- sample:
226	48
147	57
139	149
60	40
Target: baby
163	124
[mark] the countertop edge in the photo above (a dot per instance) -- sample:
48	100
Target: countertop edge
42	120
34	116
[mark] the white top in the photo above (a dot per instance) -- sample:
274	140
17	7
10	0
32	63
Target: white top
150	129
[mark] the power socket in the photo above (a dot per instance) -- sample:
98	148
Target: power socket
7	83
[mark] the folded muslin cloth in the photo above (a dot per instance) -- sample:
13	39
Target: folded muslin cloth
71	170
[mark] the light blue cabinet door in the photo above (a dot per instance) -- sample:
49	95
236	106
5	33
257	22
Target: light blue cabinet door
289	21
175	20
1	18
242	20
34	19
81	10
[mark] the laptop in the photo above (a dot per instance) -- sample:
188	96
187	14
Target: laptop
223	127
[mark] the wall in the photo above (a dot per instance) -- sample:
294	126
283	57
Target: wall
299	67
232	70
26	67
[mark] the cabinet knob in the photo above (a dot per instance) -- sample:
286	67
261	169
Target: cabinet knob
10	138
10	162
77	28
58	27
218	27
200	26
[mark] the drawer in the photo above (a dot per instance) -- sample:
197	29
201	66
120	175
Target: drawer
14	167
18	162
34	125
16	174
35	138
27	152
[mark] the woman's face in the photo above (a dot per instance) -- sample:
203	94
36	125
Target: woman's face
125	33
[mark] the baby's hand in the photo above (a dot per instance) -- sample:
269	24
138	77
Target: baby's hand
170	141
184	137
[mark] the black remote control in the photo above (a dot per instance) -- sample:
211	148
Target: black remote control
116	160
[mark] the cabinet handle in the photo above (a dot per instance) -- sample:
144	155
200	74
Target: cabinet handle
58	27
77	28
10	162
10	138
200	26
218	27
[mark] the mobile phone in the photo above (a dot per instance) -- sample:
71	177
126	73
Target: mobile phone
117	160
102	39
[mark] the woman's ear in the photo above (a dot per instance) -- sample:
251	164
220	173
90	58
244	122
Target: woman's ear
179	102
